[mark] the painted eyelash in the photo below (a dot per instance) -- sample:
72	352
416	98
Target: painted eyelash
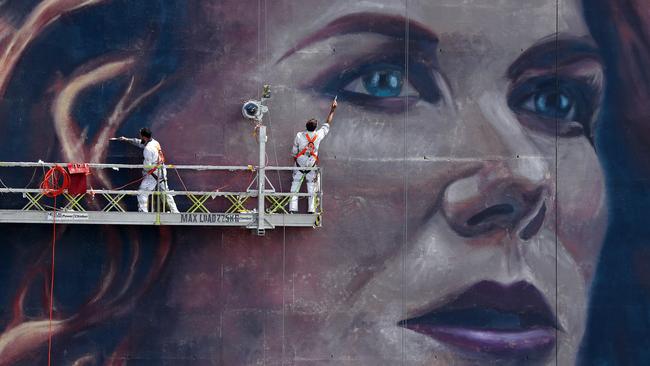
421	78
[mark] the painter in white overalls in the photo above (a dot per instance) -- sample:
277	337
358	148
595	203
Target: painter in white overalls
154	171
305	154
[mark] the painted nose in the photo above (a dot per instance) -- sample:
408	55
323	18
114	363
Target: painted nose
497	197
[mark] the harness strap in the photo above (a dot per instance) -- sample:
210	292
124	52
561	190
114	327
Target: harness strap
310	146
160	162
304	172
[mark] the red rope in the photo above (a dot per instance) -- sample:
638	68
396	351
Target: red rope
55	182
128	184
49	342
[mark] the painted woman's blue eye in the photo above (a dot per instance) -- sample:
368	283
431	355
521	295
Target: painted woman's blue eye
384	83
553	104
381	82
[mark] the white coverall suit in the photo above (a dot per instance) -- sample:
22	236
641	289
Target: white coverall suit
305	150
153	156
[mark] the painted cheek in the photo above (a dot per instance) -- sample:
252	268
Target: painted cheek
581	204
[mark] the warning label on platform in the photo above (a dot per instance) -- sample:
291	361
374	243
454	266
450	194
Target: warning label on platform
68	216
215	218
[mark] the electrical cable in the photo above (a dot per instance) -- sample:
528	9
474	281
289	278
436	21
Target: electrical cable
30	179
28	183
181	179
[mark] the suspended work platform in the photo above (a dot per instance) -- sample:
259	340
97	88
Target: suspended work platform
259	207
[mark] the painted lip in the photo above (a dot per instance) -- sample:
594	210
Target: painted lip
491	318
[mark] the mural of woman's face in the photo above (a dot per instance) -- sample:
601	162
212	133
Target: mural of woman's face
464	204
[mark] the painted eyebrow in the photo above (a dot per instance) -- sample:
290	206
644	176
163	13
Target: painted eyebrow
551	51
366	22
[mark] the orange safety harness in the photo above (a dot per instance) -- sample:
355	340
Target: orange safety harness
161	161
310	146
